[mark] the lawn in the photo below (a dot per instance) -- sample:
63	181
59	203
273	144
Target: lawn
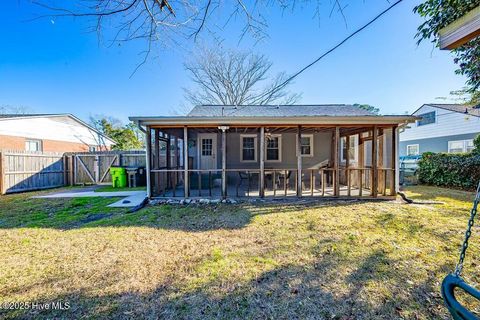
329	260
109	188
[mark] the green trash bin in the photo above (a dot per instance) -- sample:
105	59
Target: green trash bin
119	177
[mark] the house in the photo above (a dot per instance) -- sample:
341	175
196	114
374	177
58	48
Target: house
460	31
50	133
441	128
272	151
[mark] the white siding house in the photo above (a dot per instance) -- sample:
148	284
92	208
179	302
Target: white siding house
442	128
50	132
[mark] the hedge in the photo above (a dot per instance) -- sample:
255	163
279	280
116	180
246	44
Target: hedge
450	170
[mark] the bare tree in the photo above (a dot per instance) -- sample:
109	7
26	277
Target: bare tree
230	77
161	21
7	109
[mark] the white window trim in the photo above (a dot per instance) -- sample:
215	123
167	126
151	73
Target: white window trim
40	144
464	147
279	136
417	121
311	145
355	150
255	145
473	144
414	145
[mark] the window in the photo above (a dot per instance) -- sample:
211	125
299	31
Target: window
413	150
207	144
33	145
460	146
273	145
92	148
248	146
469	146
352	150
427	118
306	145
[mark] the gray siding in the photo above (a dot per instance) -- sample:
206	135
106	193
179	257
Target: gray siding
439	144
321	151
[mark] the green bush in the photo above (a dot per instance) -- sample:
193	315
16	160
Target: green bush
476	143
450	170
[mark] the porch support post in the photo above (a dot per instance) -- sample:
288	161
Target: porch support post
157	177
361	164
336	158
224	163
262	162
299	161
347	164
186	180
393	161
148	147
374	182
175	175
168	160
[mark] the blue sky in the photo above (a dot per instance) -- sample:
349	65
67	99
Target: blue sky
54	67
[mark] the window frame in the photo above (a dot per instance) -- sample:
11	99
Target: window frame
307	135
473	145
255	147
413	145
464	145
202	147
353	138
279	136
426	124
37	141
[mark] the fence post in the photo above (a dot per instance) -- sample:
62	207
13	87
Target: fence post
97	169
119	159
2	174
71	169
65	172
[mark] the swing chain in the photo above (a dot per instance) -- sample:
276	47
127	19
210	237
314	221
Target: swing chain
468	233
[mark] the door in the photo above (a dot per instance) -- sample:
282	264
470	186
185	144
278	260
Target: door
207	149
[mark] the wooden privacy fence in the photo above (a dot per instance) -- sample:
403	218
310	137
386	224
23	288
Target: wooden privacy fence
93	168
22	171
25	171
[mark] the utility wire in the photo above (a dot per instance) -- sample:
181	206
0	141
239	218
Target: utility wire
326	53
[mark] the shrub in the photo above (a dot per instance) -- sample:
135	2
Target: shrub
450	170
476	143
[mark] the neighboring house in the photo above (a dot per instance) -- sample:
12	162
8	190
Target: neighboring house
274	151
442	128
50	133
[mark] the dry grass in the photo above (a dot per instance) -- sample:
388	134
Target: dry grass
331	260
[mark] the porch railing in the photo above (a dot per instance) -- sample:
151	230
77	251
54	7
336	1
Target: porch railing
278	182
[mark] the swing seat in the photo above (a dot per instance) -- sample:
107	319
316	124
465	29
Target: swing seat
458	312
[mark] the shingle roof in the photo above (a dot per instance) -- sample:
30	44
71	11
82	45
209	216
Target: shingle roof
460	108
333	110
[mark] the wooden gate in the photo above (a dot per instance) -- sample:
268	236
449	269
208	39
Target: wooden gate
94	168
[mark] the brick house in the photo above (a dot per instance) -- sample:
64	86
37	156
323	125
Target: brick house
50	133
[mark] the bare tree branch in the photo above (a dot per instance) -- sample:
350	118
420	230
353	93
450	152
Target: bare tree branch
235	78
161	21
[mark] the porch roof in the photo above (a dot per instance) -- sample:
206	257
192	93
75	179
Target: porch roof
273	121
